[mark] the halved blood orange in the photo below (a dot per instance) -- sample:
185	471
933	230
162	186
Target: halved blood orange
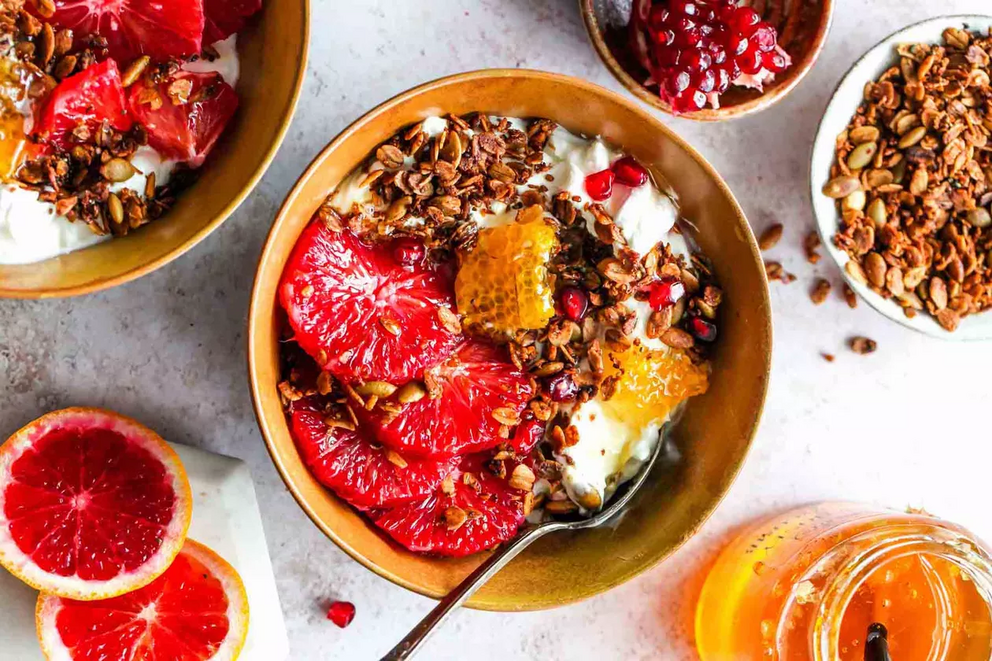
197	610
92	504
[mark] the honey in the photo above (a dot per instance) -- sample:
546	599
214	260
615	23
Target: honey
807	584
15	81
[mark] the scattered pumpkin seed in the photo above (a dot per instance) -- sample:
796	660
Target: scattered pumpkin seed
840	187
913	137
862	155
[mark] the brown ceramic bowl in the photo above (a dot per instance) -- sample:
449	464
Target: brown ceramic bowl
713	436
802	26
273	52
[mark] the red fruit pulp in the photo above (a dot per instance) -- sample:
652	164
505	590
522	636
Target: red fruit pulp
88	503
561	387
408	251
187	131
88	98
629	172
355	469
494	513
181	615
599	185
226	17
527	435
341	613
472	384
163	29
359	313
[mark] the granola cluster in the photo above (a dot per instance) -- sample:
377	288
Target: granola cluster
431	188
913	180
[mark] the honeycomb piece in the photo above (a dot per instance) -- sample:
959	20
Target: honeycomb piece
503	284
652	383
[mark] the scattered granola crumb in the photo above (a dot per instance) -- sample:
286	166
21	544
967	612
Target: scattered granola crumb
770	236
829	357
820	291
850	296
810	244
863	345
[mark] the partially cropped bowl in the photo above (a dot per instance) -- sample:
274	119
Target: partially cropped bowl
273	55
802	27
842	107
713	436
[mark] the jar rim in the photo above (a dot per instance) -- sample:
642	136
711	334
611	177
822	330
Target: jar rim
862	554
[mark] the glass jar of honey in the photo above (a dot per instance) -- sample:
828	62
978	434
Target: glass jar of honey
806	585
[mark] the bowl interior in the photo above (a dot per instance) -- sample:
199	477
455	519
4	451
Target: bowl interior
842	107
711	439
802	26
273	60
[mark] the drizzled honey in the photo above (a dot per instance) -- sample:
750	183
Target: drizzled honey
806	585
16	84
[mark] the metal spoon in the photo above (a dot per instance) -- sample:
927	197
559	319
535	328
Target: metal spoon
625	494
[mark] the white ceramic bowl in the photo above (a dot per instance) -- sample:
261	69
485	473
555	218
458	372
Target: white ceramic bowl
841	109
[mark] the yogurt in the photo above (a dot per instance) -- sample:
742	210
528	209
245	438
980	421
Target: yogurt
31	230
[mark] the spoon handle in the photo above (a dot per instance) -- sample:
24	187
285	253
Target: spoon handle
409	645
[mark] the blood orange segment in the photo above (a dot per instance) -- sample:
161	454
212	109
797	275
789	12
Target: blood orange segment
461	418
163	29
361	314
185	131
361	473
86	99
473	511
226	17
195	611
92	504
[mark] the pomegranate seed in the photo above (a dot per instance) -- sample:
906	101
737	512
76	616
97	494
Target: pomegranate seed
717	53
667	57
665	38
629	172
665	292
774	62
764	37
722	81
688	38
696	61
561	387
341	613
574	303
658	18
744	21
408	251
705	81
685	7
738	46
703	331
599	185
678	83
751	61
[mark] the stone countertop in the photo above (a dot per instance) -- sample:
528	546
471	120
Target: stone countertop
898	428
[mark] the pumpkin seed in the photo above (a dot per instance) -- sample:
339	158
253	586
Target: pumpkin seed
134	71
842	186
117	170
864	134
877	213
876	178
862	155
906	123
855	201
377	388
411	392
899	172
979	217
116	209
913	137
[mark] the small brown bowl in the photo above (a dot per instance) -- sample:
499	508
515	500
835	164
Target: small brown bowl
712	437
802	26
273	52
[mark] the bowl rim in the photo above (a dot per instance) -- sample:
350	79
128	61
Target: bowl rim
206	230
255	322
762	102
922	323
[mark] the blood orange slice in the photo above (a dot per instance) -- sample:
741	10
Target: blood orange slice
197	610
92	504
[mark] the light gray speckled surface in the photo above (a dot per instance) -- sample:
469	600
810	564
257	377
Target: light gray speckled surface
899	427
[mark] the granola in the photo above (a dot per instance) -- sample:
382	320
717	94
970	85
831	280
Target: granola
912	180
